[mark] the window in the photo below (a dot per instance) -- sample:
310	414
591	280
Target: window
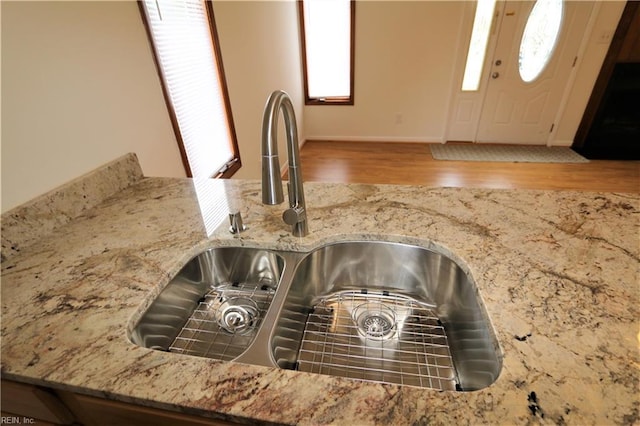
478	44
539	38
185	43
327	34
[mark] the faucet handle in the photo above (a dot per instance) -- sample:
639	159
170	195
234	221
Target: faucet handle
294	215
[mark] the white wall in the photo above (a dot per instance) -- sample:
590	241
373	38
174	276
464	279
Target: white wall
405	56
79	88
261	53
405	69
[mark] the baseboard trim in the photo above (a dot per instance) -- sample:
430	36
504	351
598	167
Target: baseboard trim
376	139
567	142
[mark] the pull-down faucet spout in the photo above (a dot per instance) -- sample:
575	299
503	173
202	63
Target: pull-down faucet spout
296	214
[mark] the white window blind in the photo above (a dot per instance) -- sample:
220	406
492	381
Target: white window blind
327	37
185	53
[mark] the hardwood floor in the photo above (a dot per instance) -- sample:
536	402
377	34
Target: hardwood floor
412	163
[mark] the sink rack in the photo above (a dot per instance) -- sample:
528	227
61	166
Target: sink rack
206	334
367	310
412	350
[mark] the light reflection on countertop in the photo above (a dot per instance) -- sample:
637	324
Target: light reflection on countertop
214	203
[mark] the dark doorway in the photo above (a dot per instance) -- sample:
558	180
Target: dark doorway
610	126
615	131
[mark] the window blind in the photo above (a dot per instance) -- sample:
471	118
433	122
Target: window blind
186	58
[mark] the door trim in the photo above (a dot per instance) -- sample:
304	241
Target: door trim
600	86
463	46
595	11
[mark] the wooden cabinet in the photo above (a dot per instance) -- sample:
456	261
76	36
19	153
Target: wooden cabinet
28	404
92	411
33	405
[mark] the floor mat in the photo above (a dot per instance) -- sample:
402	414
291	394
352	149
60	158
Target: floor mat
506	153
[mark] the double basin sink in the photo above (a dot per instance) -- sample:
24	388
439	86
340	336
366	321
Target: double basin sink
366	310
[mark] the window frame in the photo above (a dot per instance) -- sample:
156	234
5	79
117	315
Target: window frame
334	100
233	165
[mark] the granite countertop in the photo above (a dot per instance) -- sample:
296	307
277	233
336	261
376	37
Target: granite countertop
557	272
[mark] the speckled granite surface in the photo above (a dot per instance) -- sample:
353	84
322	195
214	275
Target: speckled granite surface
557	271
31	221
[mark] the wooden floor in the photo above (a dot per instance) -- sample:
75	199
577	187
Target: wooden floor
412	163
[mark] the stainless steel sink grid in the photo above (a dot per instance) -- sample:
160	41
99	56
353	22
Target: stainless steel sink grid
214	306
225	322
365	310
380	337
418	303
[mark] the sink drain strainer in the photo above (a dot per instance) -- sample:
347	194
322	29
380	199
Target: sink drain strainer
237	314
225	321
374	320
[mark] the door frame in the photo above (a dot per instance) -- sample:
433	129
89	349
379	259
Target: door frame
466	28
626	25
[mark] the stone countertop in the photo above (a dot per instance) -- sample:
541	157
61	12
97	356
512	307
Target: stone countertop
557	272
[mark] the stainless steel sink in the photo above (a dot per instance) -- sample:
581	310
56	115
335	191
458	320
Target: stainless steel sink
386	312
214	306
375	311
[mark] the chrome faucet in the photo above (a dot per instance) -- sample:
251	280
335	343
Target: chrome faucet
296	214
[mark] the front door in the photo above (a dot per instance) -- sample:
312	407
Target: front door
526	85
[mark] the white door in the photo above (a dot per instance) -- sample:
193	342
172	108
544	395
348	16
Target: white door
518	111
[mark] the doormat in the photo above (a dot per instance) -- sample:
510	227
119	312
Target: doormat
506	153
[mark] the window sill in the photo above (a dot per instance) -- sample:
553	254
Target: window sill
329	101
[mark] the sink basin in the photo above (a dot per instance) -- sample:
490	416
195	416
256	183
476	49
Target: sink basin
386	312
214	306
374	310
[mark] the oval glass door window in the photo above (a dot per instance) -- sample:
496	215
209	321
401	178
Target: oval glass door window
539	38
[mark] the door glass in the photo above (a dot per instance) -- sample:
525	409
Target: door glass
539	38
478	44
